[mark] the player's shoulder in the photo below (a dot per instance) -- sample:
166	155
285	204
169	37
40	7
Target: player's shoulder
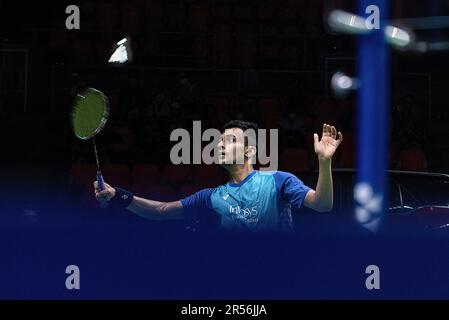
282	177
284	174
278	174
208	192
219	189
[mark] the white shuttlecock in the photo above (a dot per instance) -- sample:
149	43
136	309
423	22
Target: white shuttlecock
121	54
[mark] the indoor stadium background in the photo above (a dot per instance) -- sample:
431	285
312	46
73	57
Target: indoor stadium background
270	62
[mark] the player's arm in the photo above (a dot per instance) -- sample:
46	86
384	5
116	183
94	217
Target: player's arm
149	209
321	199
156	210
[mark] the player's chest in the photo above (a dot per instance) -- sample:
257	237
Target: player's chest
243	204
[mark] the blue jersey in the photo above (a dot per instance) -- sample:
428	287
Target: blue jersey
261	202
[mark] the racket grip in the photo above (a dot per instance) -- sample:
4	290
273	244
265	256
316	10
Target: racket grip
100	182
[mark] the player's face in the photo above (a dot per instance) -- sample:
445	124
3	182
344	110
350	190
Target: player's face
231	148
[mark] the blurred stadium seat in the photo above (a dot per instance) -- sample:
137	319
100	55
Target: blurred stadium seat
347	153
265	12
108	15
177	174
188	189
160	193
412	159
153	16
198	17
175	17
80	52
145	175
222	12
83	174
243	13
131	18
221	107
295	160
209	175
269	109
117	175
224	45
269	53
246	46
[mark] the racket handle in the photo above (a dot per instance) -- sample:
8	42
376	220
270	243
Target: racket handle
100	182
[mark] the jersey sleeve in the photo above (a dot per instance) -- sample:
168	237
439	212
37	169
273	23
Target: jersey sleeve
197	203
291	189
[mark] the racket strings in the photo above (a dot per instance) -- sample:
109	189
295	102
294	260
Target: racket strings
90	113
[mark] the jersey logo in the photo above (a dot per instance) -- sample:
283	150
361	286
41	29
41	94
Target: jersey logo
249	215
225	197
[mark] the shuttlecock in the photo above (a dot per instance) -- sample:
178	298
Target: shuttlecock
122	53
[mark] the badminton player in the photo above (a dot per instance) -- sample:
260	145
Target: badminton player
252	200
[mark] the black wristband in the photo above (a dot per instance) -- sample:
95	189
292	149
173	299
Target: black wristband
122	198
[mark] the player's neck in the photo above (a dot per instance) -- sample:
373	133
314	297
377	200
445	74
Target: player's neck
238	173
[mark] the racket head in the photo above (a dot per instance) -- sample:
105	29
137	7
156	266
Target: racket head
90	113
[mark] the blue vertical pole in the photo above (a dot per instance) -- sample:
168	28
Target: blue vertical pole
373	128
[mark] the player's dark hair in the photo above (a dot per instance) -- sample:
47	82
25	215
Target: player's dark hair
244	125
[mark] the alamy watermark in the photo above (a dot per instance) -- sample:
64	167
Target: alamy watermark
373	20
373	279
187	150
73	20
72	282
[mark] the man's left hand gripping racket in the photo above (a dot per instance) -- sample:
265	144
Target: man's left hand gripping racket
90	113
